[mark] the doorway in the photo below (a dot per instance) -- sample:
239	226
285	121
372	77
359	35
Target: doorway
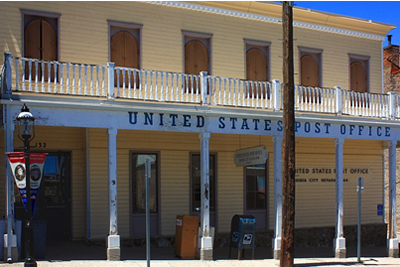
256	197
138	194
54	199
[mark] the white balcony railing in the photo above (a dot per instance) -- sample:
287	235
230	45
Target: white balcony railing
107	81
396	106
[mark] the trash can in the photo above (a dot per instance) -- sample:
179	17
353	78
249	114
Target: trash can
243	234
186	236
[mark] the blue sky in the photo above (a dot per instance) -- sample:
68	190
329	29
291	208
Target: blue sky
380	11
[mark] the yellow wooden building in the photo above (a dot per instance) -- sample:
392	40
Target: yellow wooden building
191	85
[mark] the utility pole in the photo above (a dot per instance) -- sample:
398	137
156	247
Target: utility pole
288	185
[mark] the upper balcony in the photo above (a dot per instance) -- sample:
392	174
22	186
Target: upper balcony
32	76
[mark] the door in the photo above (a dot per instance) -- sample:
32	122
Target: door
124	53
256	201
40	43
138	196
54	200
256	70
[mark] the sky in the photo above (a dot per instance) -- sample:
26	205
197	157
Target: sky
379	11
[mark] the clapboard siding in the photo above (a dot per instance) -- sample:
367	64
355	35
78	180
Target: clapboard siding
315	203
84	38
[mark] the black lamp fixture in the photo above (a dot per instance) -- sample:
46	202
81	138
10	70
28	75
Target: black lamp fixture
26	132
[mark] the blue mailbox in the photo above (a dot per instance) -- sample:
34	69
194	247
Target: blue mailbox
243	234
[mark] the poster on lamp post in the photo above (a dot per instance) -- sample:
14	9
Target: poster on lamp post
18	169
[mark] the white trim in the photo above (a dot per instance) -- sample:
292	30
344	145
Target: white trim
267	19
276	240
110	106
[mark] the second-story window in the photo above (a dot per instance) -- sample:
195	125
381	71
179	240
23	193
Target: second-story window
359	73
40	42
197	51
257	66
310	67
125	51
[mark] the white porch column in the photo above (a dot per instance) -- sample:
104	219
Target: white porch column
10	239
113	244
393	242
339	243
276	241
206	248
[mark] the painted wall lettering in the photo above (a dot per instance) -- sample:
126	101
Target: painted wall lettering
239	125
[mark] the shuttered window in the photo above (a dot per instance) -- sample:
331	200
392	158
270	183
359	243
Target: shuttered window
197	59
256	65
40	42
310	74
358	77
124	53
257	54
309	71
359	80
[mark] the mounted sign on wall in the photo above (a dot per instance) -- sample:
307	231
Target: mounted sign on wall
250	156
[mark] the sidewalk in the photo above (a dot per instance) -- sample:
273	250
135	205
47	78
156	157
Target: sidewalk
72	254
325	262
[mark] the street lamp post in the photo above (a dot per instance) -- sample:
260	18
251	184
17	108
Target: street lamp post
26	132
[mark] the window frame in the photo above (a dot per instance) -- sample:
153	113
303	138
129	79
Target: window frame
43	15
145	152
204	38
315	53
266	172
265	49
134	28
364	61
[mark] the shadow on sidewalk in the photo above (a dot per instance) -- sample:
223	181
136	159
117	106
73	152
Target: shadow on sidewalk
80	250
364	262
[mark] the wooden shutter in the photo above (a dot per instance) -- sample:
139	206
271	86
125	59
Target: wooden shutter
32	40
256	70
196	57
40	43
49	47
196	60
256	65
357	77
309	71
32	46
124	53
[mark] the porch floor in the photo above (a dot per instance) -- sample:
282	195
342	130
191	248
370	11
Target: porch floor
79	250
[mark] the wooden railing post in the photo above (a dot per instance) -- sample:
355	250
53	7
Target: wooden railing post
391	106
276	91
338	101
111	68
7	83
203	91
